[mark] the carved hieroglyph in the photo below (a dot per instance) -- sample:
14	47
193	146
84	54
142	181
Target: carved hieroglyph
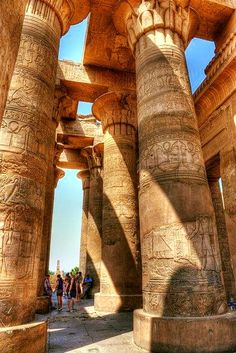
85	177
180	256
94	227
120	267
11	20
27	140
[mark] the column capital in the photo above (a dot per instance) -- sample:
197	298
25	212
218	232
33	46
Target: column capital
94	156
58	174
58	149
84	175
171	20
69	12
116	108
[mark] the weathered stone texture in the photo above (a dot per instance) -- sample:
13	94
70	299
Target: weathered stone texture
227	272
93	155
27	140
11	20
85	176
178	231
120	267
30	338
53	176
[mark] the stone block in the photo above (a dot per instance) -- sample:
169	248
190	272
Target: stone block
211	334
28	338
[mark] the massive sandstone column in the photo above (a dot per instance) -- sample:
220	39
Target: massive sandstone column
27	140
120	285
228	276
94	225
180	254
84	175
228	175
11	20
53	175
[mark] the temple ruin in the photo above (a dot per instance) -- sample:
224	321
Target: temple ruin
157	234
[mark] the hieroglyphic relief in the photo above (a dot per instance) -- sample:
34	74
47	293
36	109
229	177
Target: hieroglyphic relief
187	243
173	155
11	19
37	53
176	256
27	144
120	229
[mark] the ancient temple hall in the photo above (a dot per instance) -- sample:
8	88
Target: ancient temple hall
157	164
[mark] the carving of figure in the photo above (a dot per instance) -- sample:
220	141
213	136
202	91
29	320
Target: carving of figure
201	242
20	95
9	189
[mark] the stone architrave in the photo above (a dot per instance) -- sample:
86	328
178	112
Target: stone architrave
227	272
94	226
11	20
53	176
120	285
84	175
180	252
27	140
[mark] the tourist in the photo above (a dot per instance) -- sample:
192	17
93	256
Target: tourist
79	281
67	284
48	289
72	294
87	285
59	290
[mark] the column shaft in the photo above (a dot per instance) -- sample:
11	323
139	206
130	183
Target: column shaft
228	276
85	176
27	140
180	258
228	175
94	233
120	271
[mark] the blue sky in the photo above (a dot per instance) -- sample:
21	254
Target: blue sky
68	196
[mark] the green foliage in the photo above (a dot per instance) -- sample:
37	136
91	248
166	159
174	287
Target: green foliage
74	270
51	273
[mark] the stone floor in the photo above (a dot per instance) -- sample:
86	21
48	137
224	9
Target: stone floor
85	331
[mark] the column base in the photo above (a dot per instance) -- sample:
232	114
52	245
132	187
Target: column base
30	338
43	305
212	334
114	303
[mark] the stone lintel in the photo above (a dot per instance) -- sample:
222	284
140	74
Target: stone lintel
86	83
72	159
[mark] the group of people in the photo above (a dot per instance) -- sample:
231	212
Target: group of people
73	287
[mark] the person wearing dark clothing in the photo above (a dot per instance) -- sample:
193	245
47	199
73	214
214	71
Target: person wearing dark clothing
87	285
59	290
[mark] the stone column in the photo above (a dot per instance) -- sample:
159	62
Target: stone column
228	175
120	285
85	176
180	255
228	276
11	20
27	140
94	225
53	176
